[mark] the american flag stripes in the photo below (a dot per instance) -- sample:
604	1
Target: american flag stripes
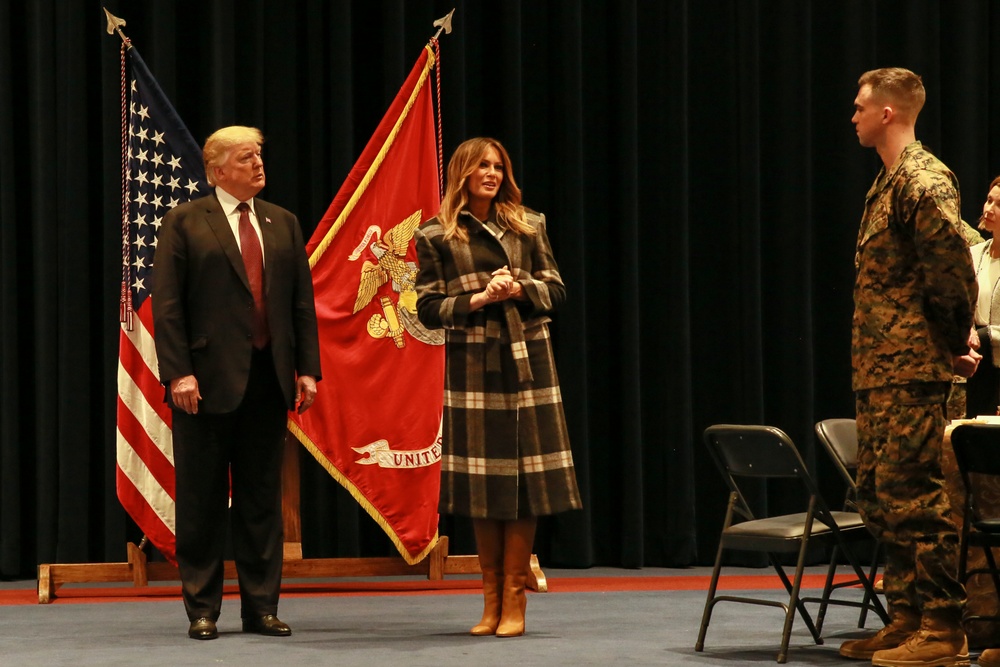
163	169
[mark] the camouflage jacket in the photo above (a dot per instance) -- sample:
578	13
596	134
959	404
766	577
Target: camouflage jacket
915	289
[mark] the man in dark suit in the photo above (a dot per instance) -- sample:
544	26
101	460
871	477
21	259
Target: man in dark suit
236	340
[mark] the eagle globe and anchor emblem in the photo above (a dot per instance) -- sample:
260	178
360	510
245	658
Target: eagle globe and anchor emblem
392	320
390	254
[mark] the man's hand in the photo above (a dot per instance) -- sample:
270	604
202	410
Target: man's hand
974	341
966	364
184	393
305	392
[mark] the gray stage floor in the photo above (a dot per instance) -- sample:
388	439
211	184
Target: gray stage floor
603	628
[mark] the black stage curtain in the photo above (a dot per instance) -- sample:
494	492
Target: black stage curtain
695	159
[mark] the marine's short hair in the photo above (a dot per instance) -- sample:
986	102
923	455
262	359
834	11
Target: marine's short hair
221	142
903	89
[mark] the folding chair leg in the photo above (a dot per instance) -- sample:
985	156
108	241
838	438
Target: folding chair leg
871	598
827	592
794	603
706	616
993	567
790	589
867	600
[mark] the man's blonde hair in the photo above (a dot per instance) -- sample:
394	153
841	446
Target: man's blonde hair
903	89
221	142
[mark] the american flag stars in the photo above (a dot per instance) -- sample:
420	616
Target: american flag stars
159	179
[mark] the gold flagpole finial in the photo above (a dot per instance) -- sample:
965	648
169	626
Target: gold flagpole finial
115	25
443	23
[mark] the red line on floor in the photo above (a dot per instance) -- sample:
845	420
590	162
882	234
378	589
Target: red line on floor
75	594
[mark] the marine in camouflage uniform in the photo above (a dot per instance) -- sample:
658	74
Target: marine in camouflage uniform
913	296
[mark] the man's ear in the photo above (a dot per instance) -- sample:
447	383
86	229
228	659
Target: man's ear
887	114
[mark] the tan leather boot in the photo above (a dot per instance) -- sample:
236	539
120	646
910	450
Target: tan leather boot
940	642
905	621
519	536
989	658
489	545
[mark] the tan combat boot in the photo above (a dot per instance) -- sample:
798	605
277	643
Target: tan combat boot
940	642
989	658
905	621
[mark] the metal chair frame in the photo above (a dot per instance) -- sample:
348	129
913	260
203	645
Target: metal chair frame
765	452
977	452
840	439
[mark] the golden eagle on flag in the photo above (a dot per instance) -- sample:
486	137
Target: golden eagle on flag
376	424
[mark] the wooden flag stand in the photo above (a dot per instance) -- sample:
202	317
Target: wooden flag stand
140	572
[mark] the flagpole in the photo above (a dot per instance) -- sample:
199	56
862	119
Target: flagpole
443	23
125	311
115	25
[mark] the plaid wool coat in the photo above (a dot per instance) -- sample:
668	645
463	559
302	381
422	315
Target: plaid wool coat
505	446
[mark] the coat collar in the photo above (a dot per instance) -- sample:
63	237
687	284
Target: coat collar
217	221
886	175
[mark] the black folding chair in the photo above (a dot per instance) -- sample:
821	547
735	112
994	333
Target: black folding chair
764	452
977	452
839	438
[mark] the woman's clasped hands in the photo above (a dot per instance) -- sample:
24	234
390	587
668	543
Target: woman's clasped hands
502	285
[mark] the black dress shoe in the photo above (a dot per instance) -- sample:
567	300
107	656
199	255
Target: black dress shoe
269	625
203	628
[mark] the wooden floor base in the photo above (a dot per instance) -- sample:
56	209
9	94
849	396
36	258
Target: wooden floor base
140	572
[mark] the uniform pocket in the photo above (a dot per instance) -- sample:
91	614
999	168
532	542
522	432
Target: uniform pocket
878	222
922	393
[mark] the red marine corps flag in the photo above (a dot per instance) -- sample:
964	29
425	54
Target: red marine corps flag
375	425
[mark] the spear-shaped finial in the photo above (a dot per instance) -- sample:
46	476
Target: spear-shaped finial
115	25
443	23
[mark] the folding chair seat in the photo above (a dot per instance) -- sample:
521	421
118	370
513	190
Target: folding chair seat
839	438
743	453
977	452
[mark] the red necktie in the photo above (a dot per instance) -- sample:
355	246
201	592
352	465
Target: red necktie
253	261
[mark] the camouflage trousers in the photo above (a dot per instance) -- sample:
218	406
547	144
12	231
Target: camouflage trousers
957	399
902	497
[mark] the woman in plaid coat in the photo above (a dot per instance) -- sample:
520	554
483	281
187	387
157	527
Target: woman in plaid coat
488	277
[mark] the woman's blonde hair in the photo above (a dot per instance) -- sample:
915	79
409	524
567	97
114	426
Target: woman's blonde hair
507	202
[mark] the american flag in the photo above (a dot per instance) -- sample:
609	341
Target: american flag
163	168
